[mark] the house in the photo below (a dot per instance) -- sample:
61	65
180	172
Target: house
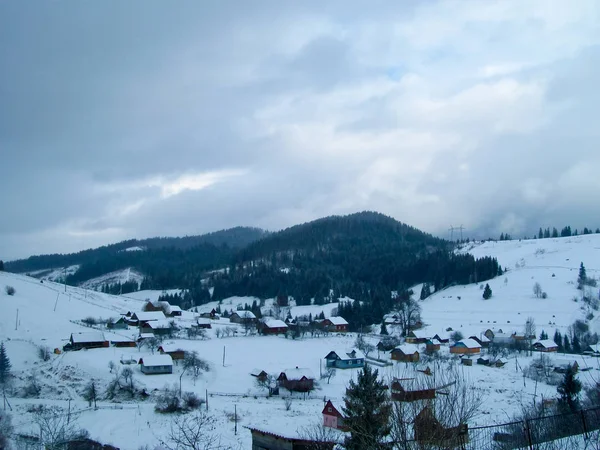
387	344
152	306
432	345
429	431
335	324
123	342
173	310
500	362
481	340
202	322
157	327
120	324
143	317
466	346
156	364
442	337
173	351
466	361
332	418
406	353
242	317
561	365
545	346
417	337
263	439
483	361
391	319
410	390
143	336
298	379
343	359
86	339
259	374
210	315
592	350
272	326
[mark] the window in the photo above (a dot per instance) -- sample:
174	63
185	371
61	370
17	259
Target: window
329	409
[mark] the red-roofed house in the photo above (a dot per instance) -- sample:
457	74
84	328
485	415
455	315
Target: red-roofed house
332	418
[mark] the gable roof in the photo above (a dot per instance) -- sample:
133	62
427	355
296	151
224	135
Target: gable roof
407	349
468	343
420	334
245	314
337	320
156	360
330	410
546	343
346	355
87	336
274	323
146	316
162	323
170	347
298	374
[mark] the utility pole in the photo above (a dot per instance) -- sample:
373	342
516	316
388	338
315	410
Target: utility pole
451	230
461	228
56	303
65	278
17	320
223	356
235	418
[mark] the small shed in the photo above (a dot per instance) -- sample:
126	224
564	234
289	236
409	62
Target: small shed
466	361
410	390
332	418
298	379
156	364
259	374
429	430
545	346
345	359
483	361
562	365
432	345
406	353
466	346
212	314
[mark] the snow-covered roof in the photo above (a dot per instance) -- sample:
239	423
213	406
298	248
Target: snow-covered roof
482	338
298	373
174	308
146	316
202	321
420	334
469	343
337	320
156	360
546	343
87	336
275	323
170	347
256	372
245	314
348	354
407	349
156	324
146	335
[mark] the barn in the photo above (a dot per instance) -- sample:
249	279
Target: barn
298	379
157	327
272	326
123	342
417	337
87	339
545	346
143	317
406	353
242	317
335	324
410	390
466	346
176	353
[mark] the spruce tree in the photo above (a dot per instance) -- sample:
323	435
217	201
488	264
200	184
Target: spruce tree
367	410
425	291
569	389
566	344
1	266
540	233
383	330
487	292
576	345
4	365
554	233
582	278
558	340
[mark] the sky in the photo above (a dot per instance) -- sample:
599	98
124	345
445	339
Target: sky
135	119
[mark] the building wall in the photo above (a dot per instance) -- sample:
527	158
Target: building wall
464	350
156	370
401	357
330	421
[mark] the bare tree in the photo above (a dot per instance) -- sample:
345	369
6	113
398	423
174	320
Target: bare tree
319	437
128	381
530	332
192	432
57	427
91	393
409	312
328	374
288	401
195	364
537	290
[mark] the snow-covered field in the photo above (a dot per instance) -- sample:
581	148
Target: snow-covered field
47	315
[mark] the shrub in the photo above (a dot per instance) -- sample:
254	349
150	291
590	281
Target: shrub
191	401
44	353
90	321
10	290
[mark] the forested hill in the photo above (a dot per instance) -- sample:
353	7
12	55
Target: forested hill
363	256
205	251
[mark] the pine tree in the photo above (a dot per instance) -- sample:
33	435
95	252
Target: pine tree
487	292
569	389
566	344
383	330
558	340
1	266
541	233
547	232
4	365
554	233
367	409
576	345
501	236
582	278
425	291
543	336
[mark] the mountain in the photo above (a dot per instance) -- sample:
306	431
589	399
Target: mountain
160	258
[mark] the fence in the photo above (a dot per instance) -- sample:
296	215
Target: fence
577	430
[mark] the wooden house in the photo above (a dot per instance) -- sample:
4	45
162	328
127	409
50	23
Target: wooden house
259	374
210	315
545	346
152	307
481	340
562	365
406	353
500	362
242	317
345	359
388	343
272	326
173	351
143	317
466	361
86	339
417	337
157	327
442	337
123	342
483	361
410	390
172	310
298	379
332	418
429	431
592	350
335	324
263	439
156	364
432	345
466	346
120	324
202	322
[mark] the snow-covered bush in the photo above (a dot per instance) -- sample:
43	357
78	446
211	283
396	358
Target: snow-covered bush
10	290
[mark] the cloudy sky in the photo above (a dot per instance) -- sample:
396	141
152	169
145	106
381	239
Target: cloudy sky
143	118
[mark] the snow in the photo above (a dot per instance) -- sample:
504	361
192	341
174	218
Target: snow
546	343
469	343
274	323
149	316
134	249
336	320
407	349
118	276
87	336
298	374
151	295
156	360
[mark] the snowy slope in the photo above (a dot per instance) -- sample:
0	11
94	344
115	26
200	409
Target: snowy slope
118	276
